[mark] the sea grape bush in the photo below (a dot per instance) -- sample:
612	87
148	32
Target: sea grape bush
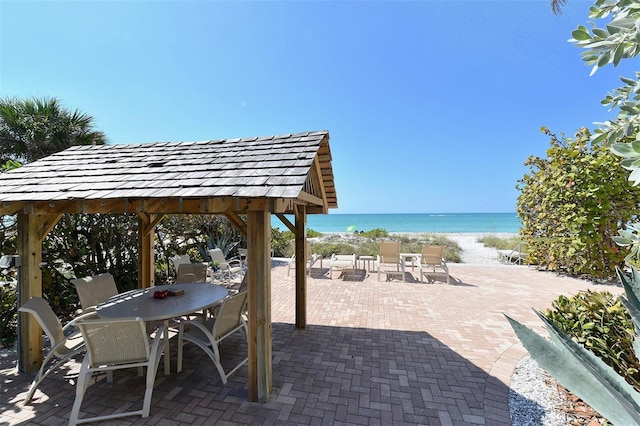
572	204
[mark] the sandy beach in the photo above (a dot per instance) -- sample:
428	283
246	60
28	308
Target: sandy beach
476	253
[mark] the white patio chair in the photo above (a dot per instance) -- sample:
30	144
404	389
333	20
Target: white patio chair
242	254
191	273
389	261
64	345
179	259
432	263
228	267
342	262
208	335
115	344
94	289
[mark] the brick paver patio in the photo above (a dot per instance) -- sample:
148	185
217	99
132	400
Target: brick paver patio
373	353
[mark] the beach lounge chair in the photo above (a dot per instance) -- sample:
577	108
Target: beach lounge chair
432	263
518	255
94	290
114	344
65	343
389	262
341	263
311	259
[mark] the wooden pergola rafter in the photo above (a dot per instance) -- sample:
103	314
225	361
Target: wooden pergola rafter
252	177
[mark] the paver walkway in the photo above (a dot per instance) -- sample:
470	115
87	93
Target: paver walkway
373	353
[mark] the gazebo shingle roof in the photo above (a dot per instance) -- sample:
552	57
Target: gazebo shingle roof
273	167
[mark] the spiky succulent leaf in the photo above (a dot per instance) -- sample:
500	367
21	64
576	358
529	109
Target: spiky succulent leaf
631	288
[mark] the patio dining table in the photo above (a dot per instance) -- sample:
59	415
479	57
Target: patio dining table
141	303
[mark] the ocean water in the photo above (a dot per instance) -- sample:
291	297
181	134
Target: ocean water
412	222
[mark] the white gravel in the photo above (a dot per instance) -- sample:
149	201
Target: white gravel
534	397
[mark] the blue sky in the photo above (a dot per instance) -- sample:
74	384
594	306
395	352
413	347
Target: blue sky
432	106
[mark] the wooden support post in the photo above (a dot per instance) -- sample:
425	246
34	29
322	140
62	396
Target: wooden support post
259	304
29	248
301	266
146	267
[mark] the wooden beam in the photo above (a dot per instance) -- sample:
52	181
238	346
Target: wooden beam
29	248
196	205
146	234
323	193
11	207
153	222
301	267
259	304
47	223
311	199
287	222
237	222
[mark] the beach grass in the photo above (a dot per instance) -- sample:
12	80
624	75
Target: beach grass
500	243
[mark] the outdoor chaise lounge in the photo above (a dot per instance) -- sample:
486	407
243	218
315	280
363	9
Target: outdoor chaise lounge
341	263
311	259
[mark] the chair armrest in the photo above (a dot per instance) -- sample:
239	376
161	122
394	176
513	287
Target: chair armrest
198	324
235	261
158	339
72	323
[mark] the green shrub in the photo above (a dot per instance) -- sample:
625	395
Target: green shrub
572	204
375	233
452	253
329	248
500	243
313	234
282	242
599	322
8	310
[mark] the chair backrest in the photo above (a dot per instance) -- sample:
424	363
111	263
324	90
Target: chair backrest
191	273
115	341
432	255
95	289
244	284
217	255
49	322
390	251
180	259
229	315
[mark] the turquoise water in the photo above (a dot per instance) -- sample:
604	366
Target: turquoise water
413	222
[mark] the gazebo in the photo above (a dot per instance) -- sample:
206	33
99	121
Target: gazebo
253	177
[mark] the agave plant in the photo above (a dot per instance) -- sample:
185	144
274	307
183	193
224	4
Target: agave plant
583	373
